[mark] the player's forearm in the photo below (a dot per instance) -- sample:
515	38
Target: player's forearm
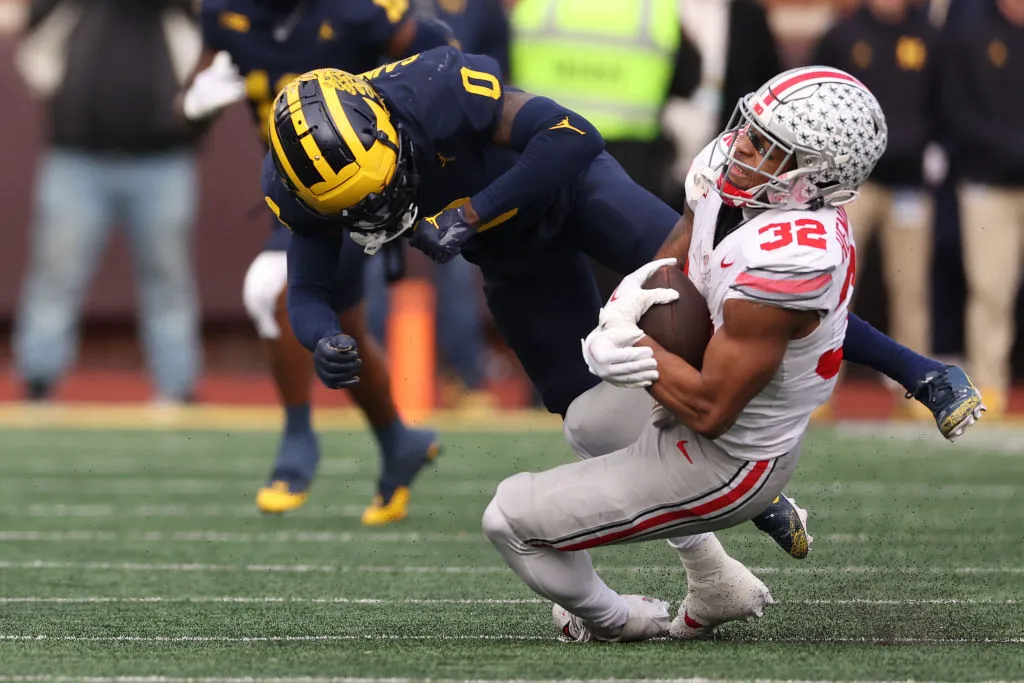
312	262
687	394
555	146
738	364
311	317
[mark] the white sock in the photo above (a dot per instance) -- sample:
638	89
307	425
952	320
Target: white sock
684	542
567	578
702	555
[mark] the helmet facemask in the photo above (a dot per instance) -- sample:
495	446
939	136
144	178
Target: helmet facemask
381	216
783	167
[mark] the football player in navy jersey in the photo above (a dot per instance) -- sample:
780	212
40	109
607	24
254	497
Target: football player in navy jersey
252	49
436	149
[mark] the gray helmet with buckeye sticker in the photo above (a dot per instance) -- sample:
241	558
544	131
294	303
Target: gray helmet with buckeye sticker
827	123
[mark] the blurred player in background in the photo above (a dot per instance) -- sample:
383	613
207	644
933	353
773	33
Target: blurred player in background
252	49
525	192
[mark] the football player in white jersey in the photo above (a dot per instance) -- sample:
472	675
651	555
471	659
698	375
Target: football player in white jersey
767	243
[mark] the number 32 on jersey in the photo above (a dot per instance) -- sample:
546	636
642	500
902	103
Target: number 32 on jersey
808	232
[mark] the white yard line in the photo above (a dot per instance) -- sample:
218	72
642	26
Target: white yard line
310	679
437	537
824	570
440	637
204	536
274	600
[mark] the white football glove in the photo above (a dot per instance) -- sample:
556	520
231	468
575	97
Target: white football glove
213	88
608	350
610	355
630	300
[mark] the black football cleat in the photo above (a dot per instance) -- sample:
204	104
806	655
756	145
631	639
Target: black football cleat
787	525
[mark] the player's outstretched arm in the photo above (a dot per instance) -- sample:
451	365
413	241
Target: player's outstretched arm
554	144
741	359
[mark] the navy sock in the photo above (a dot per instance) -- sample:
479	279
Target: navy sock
391	438
867	346
299	451
296	419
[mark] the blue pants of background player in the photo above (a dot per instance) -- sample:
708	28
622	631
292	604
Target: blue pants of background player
545	299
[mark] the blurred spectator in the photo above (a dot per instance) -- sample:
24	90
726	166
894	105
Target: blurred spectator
481	27
738	54
109	71
893	48
615	62
983	102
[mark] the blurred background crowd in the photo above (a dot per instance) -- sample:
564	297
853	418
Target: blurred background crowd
126	237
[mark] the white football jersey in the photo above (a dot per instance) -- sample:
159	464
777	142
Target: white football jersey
797	259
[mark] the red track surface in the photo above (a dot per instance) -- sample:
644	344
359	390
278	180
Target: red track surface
854	399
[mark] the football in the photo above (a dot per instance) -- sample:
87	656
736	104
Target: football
683	326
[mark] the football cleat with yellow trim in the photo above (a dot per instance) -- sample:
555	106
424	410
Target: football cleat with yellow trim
953	400
277	498
786	523
395	507
379	513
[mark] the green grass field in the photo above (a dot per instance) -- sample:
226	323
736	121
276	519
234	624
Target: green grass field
137	554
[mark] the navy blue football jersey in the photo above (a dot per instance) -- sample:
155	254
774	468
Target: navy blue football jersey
272	42
449	105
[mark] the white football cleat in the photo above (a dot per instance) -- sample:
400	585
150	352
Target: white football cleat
648	618
733	593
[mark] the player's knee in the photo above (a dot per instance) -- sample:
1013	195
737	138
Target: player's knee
495	524
509	496
264	281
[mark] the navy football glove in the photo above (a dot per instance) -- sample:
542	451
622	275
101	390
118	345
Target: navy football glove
441	236
337	361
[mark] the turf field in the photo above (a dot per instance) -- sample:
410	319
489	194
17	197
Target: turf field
139	554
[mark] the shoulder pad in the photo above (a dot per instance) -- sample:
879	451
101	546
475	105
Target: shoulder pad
697	175
790	258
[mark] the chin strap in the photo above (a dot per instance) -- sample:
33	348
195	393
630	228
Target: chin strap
371	242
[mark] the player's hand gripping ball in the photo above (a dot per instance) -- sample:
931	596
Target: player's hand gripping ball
608	350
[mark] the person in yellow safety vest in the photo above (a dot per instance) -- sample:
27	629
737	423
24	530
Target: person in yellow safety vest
615	62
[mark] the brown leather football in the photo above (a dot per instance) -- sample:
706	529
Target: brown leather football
683	326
